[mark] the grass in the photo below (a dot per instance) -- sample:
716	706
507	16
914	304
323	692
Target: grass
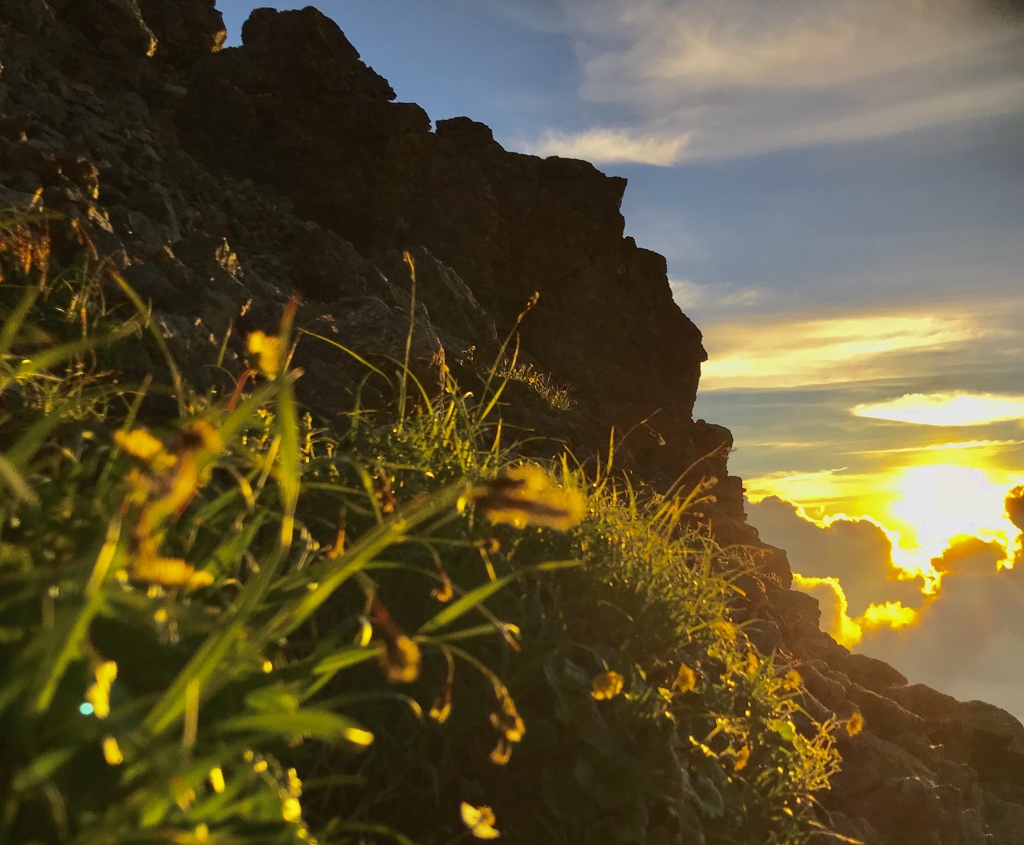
557	397
221	622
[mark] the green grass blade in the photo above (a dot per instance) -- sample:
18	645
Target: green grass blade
12	477
321	724
12	324
51	357
474	597
145	312
80	627
356	558
209	666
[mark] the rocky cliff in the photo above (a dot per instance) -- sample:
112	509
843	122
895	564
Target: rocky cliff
221	181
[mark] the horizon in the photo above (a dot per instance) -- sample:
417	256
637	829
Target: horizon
839	195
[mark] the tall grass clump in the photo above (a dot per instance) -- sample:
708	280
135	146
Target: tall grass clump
222	622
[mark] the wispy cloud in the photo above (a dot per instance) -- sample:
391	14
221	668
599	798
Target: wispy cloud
959	408
739	77
799	352
612	146
956	446
691	296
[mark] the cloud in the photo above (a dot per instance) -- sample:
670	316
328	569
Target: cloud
956	408
964	639
968	639
1015	506
826	489
606	145
958	445
717	297
793	352
858	552
740	77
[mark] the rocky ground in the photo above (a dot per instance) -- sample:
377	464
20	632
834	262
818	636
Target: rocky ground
221	181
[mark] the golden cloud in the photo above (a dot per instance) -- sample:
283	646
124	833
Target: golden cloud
958	408
797	353
613	145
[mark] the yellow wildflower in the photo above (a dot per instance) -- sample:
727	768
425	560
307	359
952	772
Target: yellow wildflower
267	351
357	736
607	685
742	758
112	752
526	496
501	753
686	679
170	572
291	809
442	705
508	721
365	632
444	593
400	660
142	445
98	695
217	779
480	821
200	436
855	724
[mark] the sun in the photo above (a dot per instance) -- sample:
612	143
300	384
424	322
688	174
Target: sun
930	505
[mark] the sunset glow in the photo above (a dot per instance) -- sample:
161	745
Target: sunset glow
957	408
935	503
825	350
924	510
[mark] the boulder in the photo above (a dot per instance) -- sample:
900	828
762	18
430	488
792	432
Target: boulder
186	30
113	27
869	672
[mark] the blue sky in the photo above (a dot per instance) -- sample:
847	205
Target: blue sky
838	187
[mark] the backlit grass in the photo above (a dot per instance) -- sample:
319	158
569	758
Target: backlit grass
229	624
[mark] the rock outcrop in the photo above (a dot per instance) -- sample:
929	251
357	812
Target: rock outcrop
220	182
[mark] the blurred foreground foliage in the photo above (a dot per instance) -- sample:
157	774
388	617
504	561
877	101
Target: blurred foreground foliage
220	622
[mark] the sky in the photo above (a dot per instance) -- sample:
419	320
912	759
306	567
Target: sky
838	187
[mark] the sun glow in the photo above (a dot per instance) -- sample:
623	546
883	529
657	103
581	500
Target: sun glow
935	503
924	510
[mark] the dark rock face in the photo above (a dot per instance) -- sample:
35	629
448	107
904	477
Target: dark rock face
184	31
221	183
295	108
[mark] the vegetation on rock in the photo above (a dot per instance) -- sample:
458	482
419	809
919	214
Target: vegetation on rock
223	622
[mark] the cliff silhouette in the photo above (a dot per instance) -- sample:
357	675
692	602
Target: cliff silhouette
221	181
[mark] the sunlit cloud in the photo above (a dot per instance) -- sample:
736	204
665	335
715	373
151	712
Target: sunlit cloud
836	620
611	145
956	446
835	617
890	614
822	490
931	505
740	77
957	408
796	353
921	509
